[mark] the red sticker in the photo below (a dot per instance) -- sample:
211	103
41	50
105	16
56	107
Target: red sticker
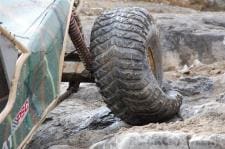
20	116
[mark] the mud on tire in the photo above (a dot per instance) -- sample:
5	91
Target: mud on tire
127	66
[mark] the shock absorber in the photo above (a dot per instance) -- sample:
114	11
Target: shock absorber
77	39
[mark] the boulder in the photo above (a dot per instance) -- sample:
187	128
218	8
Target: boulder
207	142
189	86
153	140
215	5
162	140
82	115
185	38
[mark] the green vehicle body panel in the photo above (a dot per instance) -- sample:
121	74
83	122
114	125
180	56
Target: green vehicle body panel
40	25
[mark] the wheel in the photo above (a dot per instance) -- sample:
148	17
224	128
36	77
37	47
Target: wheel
127	66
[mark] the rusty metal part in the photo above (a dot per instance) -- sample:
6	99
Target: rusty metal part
77	18
78	41
72	57
76	3
68	93
74	80
70	77
151	60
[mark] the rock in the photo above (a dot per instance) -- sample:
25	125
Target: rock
153	140
61	147
214	4
207	109
90	11
197	4
189	86
224	41
185	70
89	7
162	140
196	63
207	142
88	92
185	38
221	99
78	115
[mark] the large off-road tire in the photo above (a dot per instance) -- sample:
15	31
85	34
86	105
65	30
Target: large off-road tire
127	66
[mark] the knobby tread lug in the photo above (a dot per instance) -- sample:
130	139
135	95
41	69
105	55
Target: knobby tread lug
113	22
128	39
118	29
136	17
128	23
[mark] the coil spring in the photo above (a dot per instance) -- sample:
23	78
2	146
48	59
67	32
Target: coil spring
77	39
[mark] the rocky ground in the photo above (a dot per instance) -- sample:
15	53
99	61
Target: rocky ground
215	5
193	45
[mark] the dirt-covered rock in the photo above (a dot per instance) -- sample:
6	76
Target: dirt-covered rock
162	140
96	7
207	142
190	86
213	5
79	121
185	38
155	140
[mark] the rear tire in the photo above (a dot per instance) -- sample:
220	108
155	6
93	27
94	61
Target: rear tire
127	65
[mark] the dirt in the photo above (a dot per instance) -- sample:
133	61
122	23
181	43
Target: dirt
96	7
213	5
211	122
